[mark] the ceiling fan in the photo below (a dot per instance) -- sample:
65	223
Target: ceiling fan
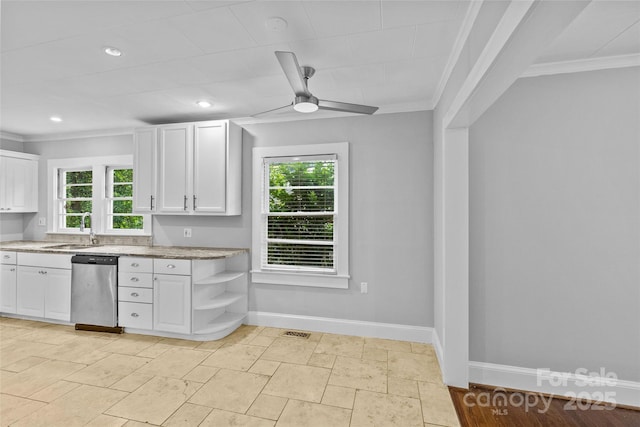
304	101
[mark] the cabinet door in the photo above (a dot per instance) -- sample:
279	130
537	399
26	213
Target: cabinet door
19	192
172	303
57	297
145	151
210	167
30	291
8	289
175	166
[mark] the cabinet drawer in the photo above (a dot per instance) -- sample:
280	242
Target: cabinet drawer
135	315
135	294
133	264
44	260
172	266
135	280
7	257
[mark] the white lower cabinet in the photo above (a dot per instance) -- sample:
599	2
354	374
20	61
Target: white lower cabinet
44	292
43	285
135	293
135	315
8	280
172	295
8	289
172	303
202	299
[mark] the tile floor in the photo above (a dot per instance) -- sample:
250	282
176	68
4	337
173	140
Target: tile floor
52	375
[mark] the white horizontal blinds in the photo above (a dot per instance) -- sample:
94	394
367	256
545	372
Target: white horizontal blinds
300	213
75	193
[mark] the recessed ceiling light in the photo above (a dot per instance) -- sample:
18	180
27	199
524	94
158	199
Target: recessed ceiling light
275	24
204	104
56	119
113	51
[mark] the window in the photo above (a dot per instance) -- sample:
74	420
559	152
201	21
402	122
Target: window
299	213
120	214
75	195
301	220
102	186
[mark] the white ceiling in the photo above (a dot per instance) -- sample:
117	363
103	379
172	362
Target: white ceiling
387	53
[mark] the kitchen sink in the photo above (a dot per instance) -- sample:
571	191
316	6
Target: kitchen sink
73	246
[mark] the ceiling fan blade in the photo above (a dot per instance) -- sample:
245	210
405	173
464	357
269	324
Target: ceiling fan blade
291	69
346	107
275	110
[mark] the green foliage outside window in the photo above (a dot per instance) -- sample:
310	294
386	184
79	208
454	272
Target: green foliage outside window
122	193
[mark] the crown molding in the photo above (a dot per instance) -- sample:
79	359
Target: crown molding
78	135
580	65
456	51
11	136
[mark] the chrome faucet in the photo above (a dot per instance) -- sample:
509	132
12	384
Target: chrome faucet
92	235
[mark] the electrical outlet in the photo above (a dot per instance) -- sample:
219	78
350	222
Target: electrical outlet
364	287
187	232
42	221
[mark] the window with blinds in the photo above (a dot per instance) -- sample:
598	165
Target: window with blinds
299	205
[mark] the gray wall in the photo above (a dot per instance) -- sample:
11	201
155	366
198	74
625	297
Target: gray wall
391	215
555	225
391	227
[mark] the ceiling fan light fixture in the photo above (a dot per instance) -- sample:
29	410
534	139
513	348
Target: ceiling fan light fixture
112	51
303	104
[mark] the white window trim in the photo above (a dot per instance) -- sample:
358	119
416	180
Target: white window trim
100	204
340	279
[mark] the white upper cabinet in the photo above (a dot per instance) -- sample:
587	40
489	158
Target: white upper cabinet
145	157
188	168
209	166
176	144
18	182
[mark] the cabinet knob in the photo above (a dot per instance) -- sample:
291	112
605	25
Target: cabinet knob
134	279
135	315
13	269
134	294
135	264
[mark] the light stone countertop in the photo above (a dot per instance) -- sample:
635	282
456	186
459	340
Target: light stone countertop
172	252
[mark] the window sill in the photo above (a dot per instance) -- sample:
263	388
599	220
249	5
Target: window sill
300	279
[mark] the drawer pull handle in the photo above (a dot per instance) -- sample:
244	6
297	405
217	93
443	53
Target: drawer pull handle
171	266
135	264
135	315
6	257
135	294
135	279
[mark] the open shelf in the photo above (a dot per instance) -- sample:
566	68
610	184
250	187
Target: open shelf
223	277
224	321
222	300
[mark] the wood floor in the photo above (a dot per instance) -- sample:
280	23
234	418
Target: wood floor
519	409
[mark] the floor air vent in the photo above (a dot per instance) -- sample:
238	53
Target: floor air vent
296	334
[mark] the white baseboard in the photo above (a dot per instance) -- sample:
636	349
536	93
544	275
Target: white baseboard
566	384
422	334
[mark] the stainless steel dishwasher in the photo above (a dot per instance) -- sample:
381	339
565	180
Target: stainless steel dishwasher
94	292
